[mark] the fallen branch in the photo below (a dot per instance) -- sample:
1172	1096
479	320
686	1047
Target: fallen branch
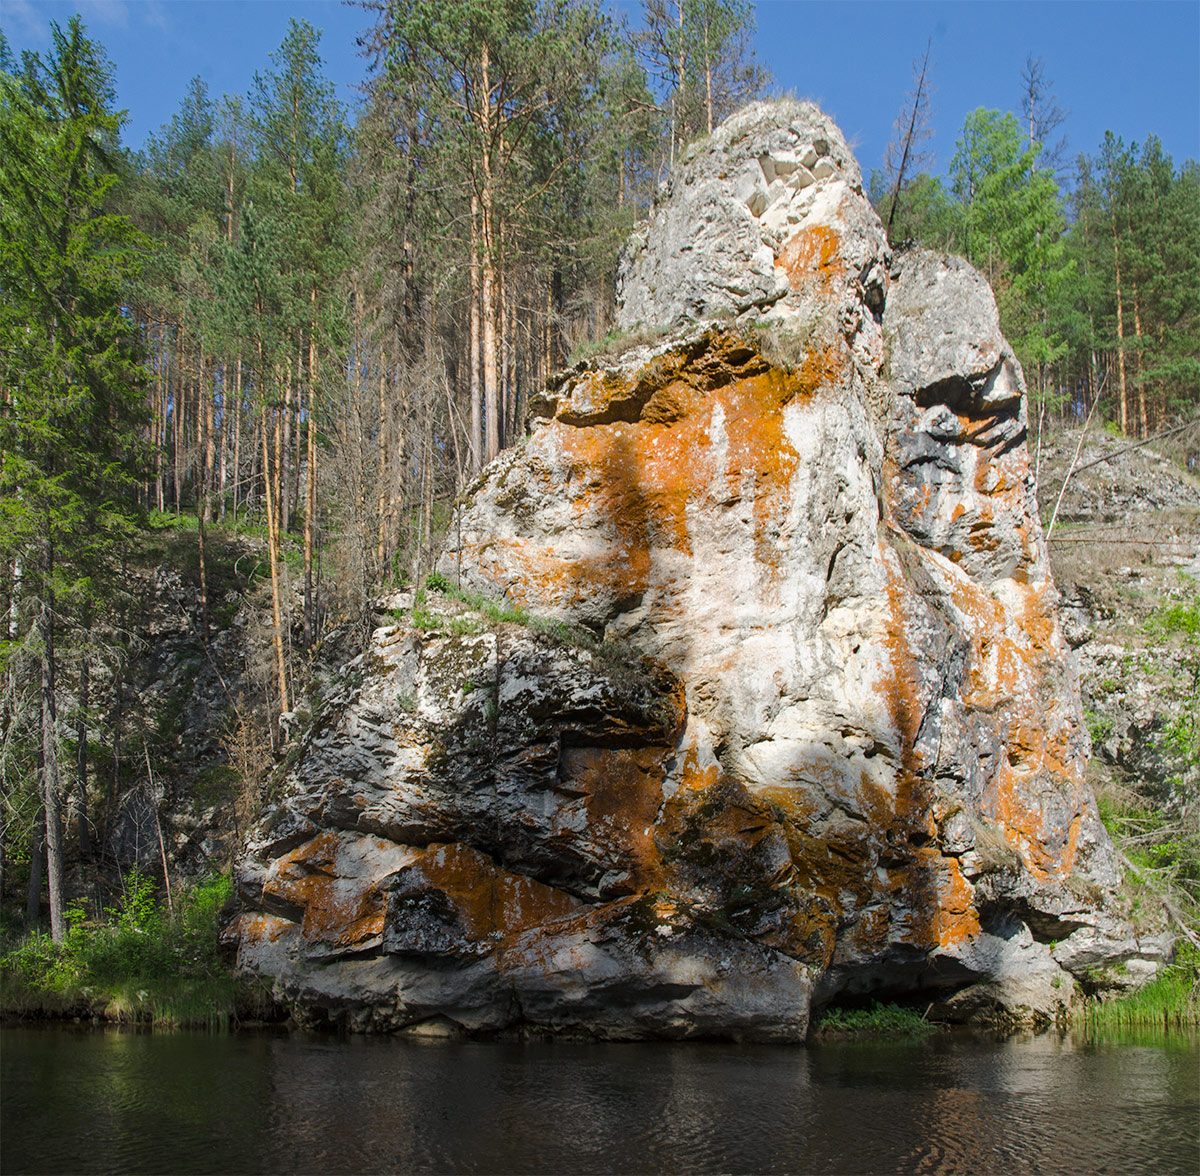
1082	434
1172	913
162	848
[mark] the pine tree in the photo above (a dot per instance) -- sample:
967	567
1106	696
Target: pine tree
1013	224
905	154
700	54
494	89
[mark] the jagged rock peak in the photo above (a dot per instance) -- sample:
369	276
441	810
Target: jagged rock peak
742	211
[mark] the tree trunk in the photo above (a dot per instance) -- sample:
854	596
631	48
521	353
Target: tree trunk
473	359
1137	363
222	463
160	421
209	465
381	553
81	757
200	552
677	133
491	248
51	780
256	451
708	102
298	449
37	861
310	487
118	722
491	397
270	486
177	414
237	437
504	343
1120	325
283	443
547	340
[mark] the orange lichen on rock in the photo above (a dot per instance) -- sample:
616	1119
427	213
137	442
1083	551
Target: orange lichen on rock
700	432
622	790
904	700
334	882
1045	837
488	898
810	722
694	778
812	257
256	929
956	919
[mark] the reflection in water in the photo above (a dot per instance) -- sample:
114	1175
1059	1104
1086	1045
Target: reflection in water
139	1102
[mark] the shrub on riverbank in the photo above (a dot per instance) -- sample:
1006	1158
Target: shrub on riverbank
138	961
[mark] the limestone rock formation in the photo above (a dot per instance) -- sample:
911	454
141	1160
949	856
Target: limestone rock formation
807	726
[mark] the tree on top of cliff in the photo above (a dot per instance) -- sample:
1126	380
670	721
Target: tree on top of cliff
905	154
700	51
497	91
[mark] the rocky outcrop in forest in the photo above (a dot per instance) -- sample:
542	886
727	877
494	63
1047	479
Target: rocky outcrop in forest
778	709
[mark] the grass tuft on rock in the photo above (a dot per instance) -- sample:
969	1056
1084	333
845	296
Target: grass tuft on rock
879	1020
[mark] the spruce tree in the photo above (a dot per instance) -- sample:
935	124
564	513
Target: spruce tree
70	406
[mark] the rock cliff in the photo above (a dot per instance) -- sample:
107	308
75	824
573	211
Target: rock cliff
796	720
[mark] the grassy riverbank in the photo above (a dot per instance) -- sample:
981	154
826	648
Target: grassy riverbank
141	960
1171	1001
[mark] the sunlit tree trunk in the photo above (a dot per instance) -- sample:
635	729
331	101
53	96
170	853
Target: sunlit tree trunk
474	347
381	472
81	751
271	489
310	487
51	779
1137	362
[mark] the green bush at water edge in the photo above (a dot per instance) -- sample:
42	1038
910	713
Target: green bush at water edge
138	962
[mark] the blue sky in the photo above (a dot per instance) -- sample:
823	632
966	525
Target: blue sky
1130	67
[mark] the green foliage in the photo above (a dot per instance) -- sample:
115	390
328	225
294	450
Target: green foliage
1170	1001
71	413
1179	622
1013	224
69	355
927	212
1181	617
136	961
880	1020
699	52
497	612
1107	300
1099	726
426	621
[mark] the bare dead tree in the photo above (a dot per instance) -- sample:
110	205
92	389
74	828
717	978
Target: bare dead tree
912	129
1042	113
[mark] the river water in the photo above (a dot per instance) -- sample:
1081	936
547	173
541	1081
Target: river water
130	1102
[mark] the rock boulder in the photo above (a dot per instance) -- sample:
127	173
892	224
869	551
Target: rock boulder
797	719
